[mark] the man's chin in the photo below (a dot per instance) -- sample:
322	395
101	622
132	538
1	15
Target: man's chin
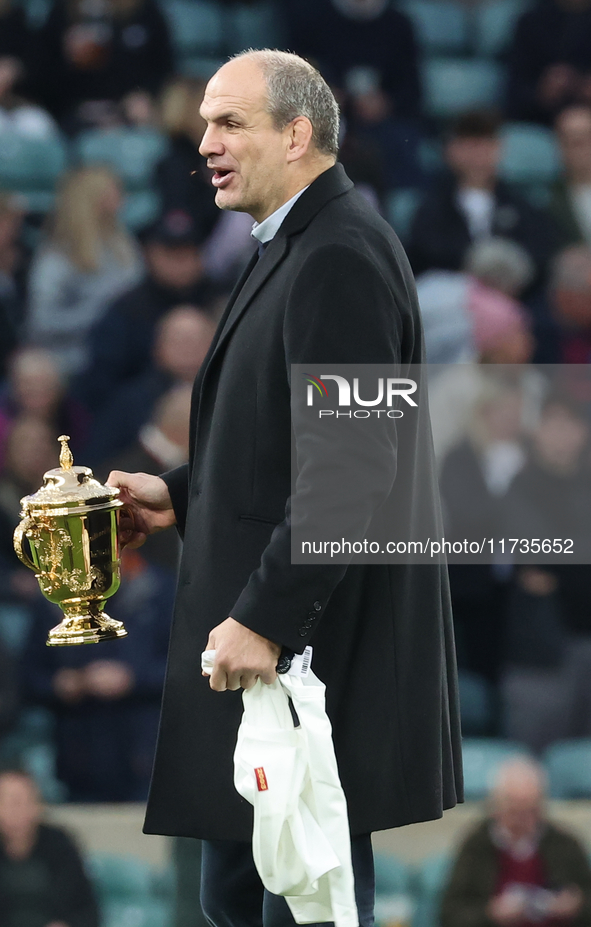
225	200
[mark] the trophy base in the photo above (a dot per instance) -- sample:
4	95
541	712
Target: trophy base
84	626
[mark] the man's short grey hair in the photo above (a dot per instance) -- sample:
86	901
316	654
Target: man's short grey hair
296	88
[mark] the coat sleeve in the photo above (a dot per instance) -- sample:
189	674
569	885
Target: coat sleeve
177	481
341	309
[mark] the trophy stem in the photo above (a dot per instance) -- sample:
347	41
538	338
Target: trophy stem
84	623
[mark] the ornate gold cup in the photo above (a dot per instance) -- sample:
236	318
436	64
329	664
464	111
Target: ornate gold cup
71	524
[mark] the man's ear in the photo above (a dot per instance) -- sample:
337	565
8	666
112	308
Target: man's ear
299	138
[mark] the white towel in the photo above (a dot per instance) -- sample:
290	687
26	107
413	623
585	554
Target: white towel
301	842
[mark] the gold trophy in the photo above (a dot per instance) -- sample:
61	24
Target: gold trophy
71	524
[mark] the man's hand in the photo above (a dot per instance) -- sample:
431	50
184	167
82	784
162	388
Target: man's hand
242	657
148	499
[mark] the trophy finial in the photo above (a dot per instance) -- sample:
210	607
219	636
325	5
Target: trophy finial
66	457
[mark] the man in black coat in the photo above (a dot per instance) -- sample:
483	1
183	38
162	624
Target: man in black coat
332	285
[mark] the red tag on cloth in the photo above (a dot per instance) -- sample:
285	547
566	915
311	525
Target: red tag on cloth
261	779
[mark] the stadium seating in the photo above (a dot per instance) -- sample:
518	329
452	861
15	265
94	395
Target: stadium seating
394	890
132	153
252	26
568	763
441	26
140	209
196	26
530	154
200	66
494	25
32	167
453	85
401	206
430	882
37	11
482	758
476	702
126	892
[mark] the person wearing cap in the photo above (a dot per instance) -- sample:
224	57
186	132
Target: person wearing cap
331	285
121	343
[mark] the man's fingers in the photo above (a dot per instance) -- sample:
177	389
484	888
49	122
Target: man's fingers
269	676
218	679
132	539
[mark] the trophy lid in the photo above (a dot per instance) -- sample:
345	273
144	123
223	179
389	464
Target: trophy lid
69	486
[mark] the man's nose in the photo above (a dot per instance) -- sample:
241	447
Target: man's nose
211	143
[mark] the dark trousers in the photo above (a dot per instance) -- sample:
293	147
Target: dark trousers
232	894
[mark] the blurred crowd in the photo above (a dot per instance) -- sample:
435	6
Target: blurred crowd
113	278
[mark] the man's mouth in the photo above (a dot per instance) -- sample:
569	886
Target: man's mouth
221	178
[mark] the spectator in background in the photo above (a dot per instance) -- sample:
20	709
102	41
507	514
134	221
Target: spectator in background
570	289
121	343
161	445
86	262
550	60
30	451
182	179
182	340
106	704
517	868
571	200
475	476
371	61
471	204
14	34
184	183
474	315
546	685
17	114
349	37
9	694
12	276
36	388
42	877
92	55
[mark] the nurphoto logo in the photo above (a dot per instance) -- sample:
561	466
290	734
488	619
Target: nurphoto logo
387	388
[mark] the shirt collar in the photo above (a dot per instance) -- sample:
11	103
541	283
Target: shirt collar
267	229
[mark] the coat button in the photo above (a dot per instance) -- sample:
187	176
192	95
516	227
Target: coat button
303	632
317	606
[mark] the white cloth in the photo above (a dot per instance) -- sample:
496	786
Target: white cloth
267	229
478	207
301	842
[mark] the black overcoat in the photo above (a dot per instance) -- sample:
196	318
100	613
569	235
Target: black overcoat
334	286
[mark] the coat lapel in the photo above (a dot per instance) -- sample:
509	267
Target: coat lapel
333	182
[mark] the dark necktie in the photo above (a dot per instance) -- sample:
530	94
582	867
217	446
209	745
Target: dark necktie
261	245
